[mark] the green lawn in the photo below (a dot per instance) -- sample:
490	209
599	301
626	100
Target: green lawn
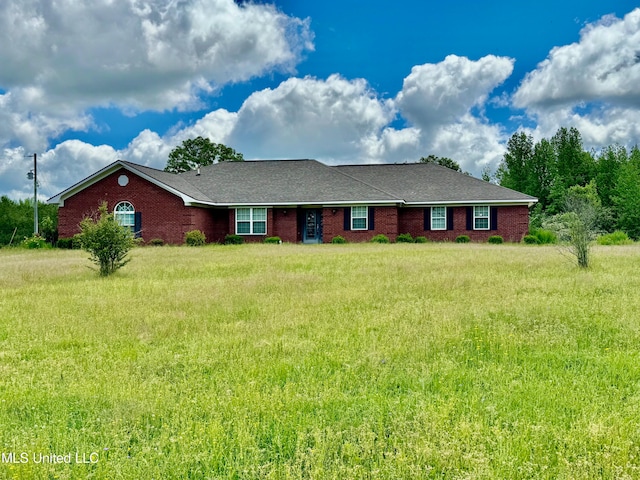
330	361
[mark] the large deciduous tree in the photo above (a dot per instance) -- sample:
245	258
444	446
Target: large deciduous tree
199	152
514	170
626	195
444	161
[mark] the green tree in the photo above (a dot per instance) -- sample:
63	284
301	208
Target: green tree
513	172
541	172
578	226
199	152
608	166
106	240
574	166
17	216
626	195
444	161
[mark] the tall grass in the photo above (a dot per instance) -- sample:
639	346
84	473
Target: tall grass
327	361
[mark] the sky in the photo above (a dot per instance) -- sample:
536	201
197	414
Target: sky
85	83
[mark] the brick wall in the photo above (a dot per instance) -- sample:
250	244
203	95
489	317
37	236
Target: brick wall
164	215
385	222
512	223
285	225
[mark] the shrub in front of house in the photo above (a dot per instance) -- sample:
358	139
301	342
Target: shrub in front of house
544	236
614	238
233	240
156	242
404	238
195	238
106	240
35	241
420	239
463	239
531	240
380	238
338	239
272	240
65	243
495	239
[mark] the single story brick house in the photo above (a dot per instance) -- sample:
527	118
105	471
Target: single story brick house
298	201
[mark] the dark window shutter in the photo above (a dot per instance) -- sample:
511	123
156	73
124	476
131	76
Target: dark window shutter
493	212
469	218
137	227
427	218
371	218
449	218
300	222
347	219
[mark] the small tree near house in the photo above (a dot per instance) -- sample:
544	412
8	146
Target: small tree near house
106	240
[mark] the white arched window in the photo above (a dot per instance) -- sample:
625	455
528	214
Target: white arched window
125	215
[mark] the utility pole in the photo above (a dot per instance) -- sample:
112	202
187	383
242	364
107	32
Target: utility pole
33	174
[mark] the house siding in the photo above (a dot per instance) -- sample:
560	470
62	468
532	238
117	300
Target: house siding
512	224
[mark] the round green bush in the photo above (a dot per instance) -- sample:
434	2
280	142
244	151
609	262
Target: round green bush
420	239
195	238
233	240
338	239
380	238
35	241
495	239
272	240
544	236
616	238
463	239
404	238
65	243
156	242
531	240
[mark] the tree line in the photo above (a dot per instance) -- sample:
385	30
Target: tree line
16	220
558	169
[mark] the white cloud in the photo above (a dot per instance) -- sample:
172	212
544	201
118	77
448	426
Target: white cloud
593	84
604	65
439	93
438	99
142	54
324	119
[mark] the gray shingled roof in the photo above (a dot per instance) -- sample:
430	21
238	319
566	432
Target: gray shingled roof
431	183
171	180
295	182
282	182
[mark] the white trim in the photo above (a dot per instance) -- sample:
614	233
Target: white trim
366	218
469	203
439	218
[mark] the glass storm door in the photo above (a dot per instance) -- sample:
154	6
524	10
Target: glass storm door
312	229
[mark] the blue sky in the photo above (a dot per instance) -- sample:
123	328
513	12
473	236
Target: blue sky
85	83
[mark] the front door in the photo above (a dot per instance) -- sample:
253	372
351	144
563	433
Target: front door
312	228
